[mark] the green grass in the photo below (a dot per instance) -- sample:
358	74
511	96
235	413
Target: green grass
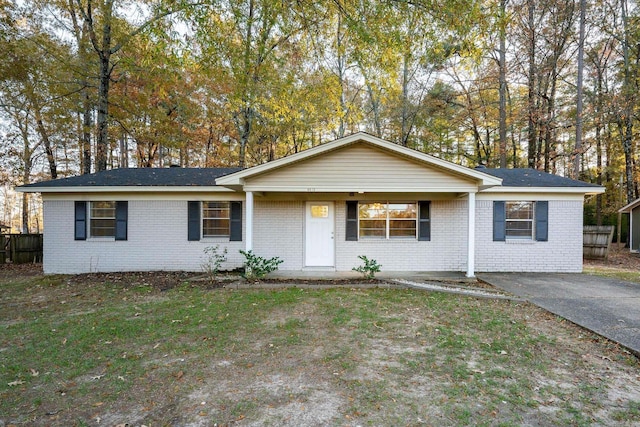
629	276
388	356
631	413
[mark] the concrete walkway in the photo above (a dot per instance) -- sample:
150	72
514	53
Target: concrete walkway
608	307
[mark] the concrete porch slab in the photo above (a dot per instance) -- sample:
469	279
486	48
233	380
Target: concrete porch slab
320	274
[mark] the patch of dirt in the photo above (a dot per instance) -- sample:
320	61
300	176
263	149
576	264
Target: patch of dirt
158	280
619	257
12	271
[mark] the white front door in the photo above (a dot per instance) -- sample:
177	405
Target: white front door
319	246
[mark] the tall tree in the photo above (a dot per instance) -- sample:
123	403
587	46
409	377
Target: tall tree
579	101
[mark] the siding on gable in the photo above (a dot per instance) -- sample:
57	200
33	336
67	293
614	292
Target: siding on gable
156	240
359	168
561	253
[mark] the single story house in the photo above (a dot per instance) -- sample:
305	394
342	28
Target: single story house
318	209
633	209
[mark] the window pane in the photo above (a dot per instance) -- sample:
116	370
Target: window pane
372	232
519	222
373	228
373	210
215	219
215	210
103	227
321	211
519	229
402	228
402	210
519	210
215	227
102	219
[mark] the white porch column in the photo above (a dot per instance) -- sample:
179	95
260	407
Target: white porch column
471	236
249	221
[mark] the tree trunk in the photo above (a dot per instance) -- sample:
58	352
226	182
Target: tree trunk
44	136
102	142
627	126
503	86
341	71
578	149
405	129
531	80
86	132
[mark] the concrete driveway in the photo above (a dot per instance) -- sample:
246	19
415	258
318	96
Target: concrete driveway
608	307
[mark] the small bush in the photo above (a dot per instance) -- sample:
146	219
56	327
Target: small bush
369	268
213	260
256	267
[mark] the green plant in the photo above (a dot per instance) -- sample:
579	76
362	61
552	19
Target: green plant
369	268
256	266
213	260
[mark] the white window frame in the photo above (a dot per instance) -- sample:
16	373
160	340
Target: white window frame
388	220
204	207
531	220
92	218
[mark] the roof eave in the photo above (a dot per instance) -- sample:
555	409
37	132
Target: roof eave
628	208
127	189
553	190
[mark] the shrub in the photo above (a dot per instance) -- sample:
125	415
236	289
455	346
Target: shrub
256	267
369	268
213	260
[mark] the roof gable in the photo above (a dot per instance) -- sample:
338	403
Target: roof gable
314	157
359	167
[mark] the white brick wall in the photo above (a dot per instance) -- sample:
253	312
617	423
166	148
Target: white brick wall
561	253
157	240
278	231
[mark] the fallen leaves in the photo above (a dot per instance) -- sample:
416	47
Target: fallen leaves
15	383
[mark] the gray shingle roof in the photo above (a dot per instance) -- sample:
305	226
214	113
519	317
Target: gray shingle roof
522	177
159	177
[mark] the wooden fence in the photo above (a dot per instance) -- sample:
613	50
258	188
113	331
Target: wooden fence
597	241
20	248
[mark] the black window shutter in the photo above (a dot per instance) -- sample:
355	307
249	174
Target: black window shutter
122	212
424	221
351	231
499	221
80	221
542	221
194	221
235	227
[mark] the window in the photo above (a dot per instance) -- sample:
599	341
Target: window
519	220
319	211
102	219
215	219
387	220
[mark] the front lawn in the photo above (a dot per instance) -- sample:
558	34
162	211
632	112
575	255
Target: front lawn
88	353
